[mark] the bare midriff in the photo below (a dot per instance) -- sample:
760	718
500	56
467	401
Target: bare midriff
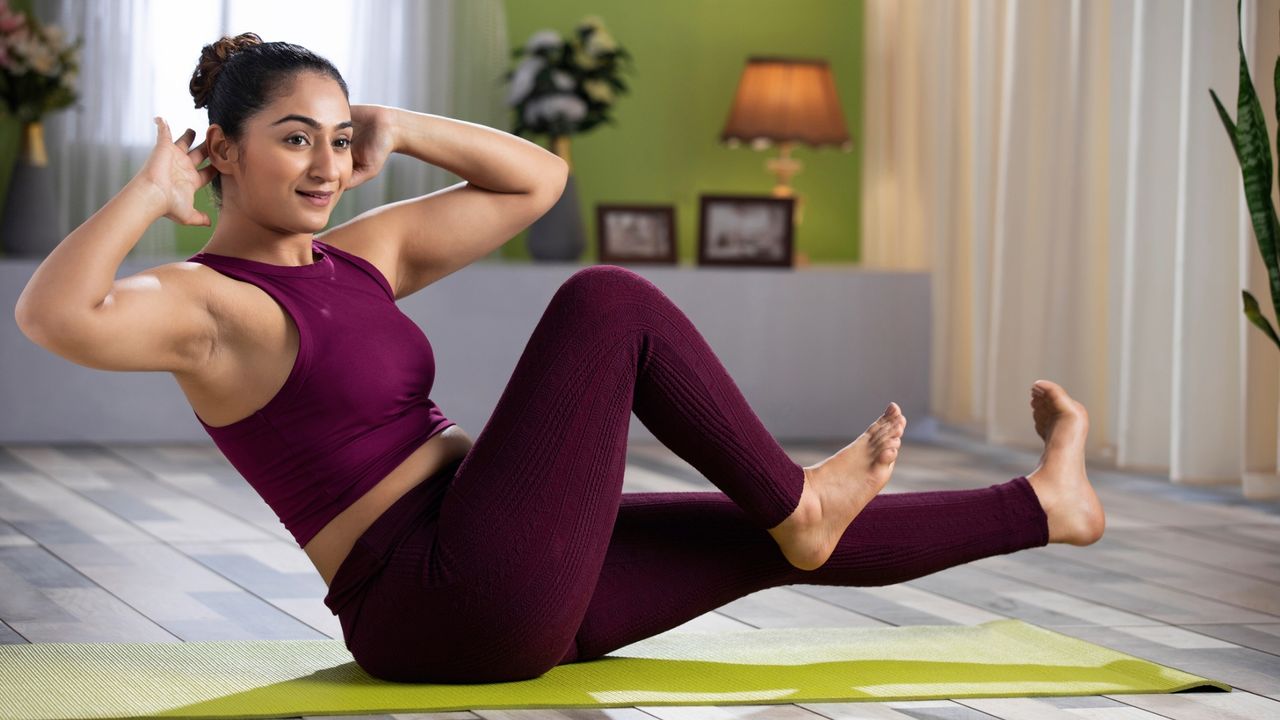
329	547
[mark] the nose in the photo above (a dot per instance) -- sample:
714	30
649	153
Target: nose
326	165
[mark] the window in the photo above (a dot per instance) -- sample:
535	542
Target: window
176	33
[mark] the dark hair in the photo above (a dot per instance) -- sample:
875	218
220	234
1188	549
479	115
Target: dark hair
237	76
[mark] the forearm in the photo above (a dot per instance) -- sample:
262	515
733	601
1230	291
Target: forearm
483	156
79	273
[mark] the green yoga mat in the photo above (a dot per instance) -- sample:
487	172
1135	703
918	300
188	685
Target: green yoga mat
280	678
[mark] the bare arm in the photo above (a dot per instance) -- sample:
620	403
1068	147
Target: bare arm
485	157
508	183
74	306
77	276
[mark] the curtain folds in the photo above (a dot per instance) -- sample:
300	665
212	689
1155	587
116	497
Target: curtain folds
1059	168
444	57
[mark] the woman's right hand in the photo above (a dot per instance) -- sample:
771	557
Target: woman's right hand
171	169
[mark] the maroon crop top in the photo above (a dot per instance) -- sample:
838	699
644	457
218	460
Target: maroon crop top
355	404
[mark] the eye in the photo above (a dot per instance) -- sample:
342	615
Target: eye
347	141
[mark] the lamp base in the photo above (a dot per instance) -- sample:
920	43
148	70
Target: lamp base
786	167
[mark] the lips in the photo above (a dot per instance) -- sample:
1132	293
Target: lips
315	199
320	195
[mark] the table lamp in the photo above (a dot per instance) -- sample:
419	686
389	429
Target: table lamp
786	100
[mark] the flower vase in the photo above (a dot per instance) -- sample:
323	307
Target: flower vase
559	234
29	227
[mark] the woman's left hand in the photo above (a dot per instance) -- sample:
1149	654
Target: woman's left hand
372	141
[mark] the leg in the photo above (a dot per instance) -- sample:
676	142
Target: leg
675	556
525	525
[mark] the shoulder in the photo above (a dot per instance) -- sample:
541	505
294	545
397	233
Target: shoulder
361	238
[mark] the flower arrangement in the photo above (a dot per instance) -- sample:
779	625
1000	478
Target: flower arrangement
565	86
37	68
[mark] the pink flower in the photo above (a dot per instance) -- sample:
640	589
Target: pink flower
10	21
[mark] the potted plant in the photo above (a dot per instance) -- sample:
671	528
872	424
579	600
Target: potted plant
1253	152
37	76
561	87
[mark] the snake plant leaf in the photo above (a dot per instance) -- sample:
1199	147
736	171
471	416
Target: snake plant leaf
1226	122
1255	157
1253	152
1252	312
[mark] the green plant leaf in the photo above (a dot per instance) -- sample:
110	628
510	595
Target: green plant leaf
1253	151
1254	313
1226	122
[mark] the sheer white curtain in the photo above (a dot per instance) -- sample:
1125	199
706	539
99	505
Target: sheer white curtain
139	55
89	152
439	57
1061	170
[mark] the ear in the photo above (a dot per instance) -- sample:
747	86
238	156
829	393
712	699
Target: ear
223	152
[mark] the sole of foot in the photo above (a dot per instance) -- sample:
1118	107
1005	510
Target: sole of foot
1060	482
837	489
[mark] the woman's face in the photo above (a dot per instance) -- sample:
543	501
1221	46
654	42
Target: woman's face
282	153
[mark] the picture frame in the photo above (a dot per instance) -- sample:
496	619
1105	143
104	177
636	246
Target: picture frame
636	233
746	230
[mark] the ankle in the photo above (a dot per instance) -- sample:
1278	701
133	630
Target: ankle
804	515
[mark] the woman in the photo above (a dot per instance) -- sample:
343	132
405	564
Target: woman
450	560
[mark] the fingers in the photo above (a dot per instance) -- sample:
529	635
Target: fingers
198	153
207	174
163	134
162	130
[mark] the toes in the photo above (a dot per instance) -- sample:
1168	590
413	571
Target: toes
888	455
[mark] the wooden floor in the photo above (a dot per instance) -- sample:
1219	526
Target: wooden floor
129	543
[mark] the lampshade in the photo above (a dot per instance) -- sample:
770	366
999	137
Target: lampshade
786	99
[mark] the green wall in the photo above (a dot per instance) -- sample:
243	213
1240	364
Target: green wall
687	58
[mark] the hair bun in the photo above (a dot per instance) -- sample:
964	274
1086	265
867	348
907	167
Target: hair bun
212	58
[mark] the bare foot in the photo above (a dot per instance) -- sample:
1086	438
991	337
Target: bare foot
837	489
1075	513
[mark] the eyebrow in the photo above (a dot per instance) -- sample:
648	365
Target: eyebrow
311	122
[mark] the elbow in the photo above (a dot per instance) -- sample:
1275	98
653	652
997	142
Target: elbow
31	321
551	182
560	179
44	329
22	316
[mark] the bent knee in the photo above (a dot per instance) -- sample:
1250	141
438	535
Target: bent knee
600	286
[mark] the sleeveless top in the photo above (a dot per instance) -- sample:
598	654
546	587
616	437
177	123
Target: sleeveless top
355	404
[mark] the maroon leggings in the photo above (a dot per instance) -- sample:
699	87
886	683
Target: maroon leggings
526	554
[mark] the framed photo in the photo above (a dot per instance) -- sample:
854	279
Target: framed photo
752	230
636	233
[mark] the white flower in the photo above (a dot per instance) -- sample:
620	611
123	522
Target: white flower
36	53
562	80
54	35
599	91
601	41
555	107
522	80
592	21
543	39
585	61
43	63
